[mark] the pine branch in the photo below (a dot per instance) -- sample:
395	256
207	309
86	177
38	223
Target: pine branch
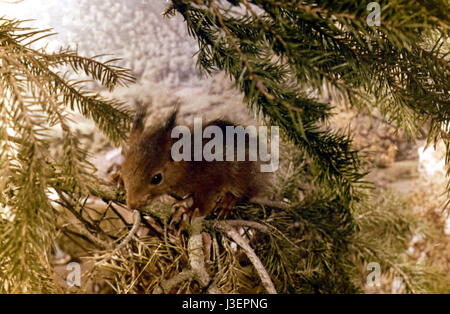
34	100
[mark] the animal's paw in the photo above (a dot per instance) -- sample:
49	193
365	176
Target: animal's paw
225	205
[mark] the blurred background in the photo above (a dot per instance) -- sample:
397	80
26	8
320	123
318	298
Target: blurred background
158	50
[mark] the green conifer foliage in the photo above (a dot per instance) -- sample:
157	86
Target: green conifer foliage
35	97
277	50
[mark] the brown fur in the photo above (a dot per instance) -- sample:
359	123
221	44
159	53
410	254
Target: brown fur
212	185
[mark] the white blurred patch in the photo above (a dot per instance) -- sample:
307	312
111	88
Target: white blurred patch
53	196
44	14
447	225
397	285
5	213
115	155
432	161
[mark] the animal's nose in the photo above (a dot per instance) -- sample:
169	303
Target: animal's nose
136	200
132	204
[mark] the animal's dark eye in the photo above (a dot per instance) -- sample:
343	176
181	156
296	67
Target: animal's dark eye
156	179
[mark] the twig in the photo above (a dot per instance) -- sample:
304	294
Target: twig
67	233
166	285
134	229
96	241
68	204
106	191
130	235
264	228
117	213
197	269
153	224
196	255
261	270
269	203
251	224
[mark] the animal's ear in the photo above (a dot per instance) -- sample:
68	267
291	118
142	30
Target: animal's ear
139	120
116	177
171	122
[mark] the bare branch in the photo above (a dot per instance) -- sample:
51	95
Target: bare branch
130	235
166	285
197	269
262	272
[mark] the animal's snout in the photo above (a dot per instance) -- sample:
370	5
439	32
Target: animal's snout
134	203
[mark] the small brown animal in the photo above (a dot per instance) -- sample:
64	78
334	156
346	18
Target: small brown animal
148	171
